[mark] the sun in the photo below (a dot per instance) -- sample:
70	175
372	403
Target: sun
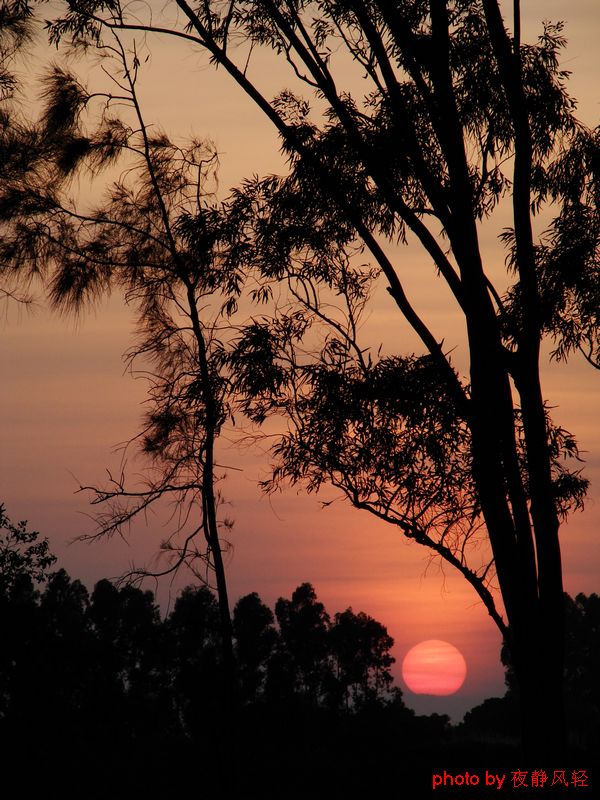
434	667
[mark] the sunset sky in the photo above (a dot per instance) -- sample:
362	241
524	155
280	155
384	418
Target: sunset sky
66	403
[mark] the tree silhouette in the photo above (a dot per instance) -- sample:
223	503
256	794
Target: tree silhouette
255	638
131	645
194	632
23	555
455	117
64	654
453	99
582	662
458	114
304	633
360	648
25	560
98	682
158	238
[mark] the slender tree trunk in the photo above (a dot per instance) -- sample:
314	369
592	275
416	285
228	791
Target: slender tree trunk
211	528
214	543
208	493
226	733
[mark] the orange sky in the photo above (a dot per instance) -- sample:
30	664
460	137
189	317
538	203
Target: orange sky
65	403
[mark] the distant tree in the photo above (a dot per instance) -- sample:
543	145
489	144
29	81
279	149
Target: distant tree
194	639
24	556
304	634
129	641
495	718
360	647
46	679
582	667
64	650
25	561
255	638
45	658
64	604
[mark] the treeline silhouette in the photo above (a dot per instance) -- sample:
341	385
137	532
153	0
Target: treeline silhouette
100	685
101	696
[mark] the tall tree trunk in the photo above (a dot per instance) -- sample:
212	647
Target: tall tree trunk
211	528
529	578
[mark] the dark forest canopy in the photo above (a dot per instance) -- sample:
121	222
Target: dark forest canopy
101	684
299	652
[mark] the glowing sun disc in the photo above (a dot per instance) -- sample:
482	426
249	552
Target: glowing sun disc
434	667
